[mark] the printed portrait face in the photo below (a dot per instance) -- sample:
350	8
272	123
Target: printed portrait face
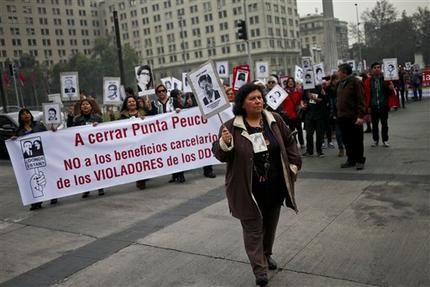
68	83
262	69
52	113
205	83
112	89
144	77
241	77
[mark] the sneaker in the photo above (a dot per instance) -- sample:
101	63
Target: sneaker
330	145
321	154
85	194
375	144
341	152
101	192
54	201
307	154
209	174
385	144
359	166
347	164
323	145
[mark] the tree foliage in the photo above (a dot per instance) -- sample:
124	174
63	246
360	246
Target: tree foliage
390	36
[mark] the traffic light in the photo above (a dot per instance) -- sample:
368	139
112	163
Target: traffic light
241	31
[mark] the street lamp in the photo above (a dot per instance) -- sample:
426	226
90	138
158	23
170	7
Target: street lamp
358	37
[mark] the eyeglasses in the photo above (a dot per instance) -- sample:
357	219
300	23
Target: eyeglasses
161	91
271	82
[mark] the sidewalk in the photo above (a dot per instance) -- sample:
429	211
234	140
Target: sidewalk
355	228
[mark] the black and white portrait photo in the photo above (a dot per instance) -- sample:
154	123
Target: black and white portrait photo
208	90
111	90
319	73
51	113
185	85
308	79
176	83
32	147
240	79
306	62
222	69
69	86
391	71
275	97
298	74
144	79
262	70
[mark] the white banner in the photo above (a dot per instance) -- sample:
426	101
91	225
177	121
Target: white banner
70	161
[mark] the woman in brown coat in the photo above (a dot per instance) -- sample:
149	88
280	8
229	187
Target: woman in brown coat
262	162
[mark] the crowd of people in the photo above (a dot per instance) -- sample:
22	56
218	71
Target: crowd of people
268	142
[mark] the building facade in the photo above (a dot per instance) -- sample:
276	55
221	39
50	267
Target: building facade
50	30
172	36
312	34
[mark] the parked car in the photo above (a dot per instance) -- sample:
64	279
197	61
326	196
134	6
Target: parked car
9	125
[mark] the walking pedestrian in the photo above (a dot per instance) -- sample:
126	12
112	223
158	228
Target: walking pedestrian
259	178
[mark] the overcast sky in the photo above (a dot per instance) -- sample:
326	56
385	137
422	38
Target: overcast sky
345	9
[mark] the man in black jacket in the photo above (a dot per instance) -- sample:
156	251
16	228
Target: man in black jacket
350	112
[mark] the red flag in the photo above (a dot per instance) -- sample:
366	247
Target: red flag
21	78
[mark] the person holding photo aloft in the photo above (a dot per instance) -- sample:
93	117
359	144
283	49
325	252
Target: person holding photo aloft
258	180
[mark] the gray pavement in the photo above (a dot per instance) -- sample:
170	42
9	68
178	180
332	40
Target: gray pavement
354	228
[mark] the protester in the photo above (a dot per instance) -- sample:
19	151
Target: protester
314	103
328	121
256	198
416	82
166	104
271	82
377	93
290	107
332	99
130	109
87	116
350	113
27	125
230	94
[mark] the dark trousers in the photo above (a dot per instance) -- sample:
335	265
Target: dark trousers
258	237
402	95
352	136
379	115
311	127
417	89
296	124
339	136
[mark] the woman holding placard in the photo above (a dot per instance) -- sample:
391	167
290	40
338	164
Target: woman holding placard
262	163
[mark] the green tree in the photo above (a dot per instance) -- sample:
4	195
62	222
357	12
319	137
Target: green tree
376	19
421	22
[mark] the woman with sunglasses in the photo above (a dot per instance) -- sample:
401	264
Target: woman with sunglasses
166	104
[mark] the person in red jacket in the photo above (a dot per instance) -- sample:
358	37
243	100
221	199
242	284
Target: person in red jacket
290	107
378	100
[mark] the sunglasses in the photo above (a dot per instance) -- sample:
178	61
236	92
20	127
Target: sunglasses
271	82
161	91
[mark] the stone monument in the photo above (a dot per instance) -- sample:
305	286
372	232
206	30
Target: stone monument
330	45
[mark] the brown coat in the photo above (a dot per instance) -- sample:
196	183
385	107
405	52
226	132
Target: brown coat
239	159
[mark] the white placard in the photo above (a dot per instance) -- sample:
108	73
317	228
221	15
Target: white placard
261	70
70	161
284	81
408	65
308	79
185	86
208	90
112	91
391	71
298	74
306	63
242	76
276	96
144	80
51	113
222	69
69	86
167	82
177	84
319	73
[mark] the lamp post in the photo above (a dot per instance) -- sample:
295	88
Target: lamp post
358	38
